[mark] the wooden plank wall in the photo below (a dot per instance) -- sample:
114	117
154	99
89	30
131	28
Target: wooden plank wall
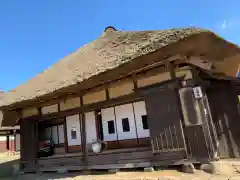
165	122
195	130
60	161
223	103
134	155
29	142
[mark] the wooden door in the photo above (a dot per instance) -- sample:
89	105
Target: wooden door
164	120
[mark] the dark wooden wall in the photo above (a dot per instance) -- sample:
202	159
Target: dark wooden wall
223	103
165	125
171	138
196	125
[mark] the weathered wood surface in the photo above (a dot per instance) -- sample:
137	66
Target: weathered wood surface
168	158
63	161
226	119
164	118
29	142
119	158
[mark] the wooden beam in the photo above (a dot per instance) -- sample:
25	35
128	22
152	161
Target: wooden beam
134	78
107	93
196	79
57	98
91	107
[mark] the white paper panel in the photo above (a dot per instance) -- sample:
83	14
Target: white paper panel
73	122
139	110
108	115
125	111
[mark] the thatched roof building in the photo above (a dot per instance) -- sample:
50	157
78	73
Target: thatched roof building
113	50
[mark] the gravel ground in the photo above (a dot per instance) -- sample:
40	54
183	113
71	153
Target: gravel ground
169	174
157	175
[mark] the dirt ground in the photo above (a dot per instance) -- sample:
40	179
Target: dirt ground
158	175
6	173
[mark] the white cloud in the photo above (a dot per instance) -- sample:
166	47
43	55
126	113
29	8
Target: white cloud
230	24
224	25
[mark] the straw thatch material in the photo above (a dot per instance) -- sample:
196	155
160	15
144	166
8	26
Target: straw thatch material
109	51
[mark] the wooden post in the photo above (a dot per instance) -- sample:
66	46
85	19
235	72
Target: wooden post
65	135
22	158
15	144
36	140
207	122
134	78
107	93
84	137
171	68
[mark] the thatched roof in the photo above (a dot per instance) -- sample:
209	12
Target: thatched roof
6	128
109	51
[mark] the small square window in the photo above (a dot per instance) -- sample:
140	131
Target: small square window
73	133
144	122
111	128
125	125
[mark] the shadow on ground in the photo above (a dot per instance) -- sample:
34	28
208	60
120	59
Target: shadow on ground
7	168
97	175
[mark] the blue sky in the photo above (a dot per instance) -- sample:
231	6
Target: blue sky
36	34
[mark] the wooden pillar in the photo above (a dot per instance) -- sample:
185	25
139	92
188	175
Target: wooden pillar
64	131
65	135
134	78
36	140
15	139
84	137
208	127
171	68
21	144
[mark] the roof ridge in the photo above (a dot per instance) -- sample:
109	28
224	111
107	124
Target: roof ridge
108	51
